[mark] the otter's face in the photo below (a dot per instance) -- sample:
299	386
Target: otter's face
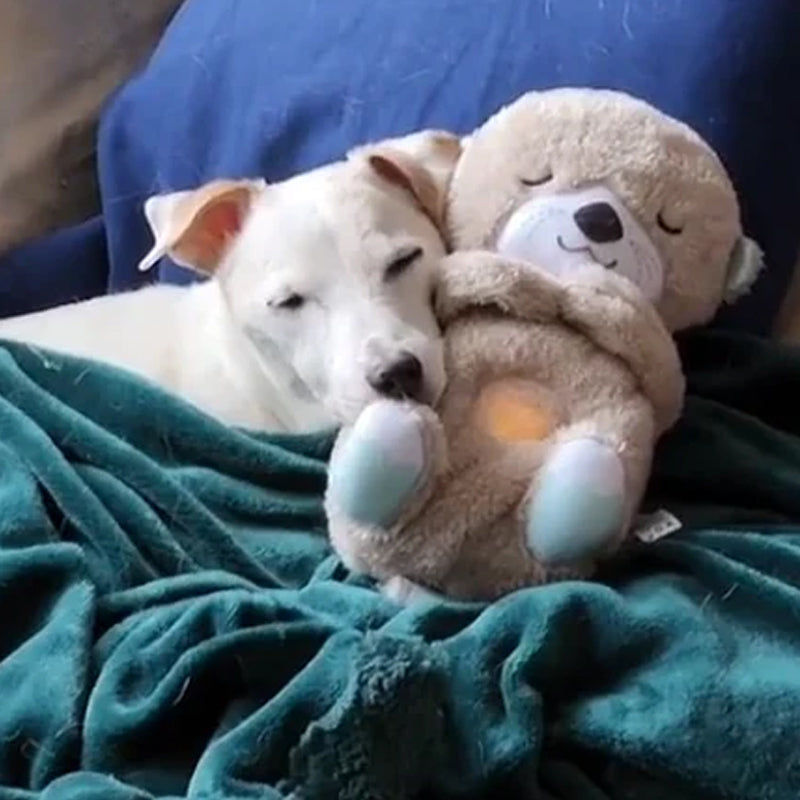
566	177
563	231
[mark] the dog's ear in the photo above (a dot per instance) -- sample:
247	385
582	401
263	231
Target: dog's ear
421	163
195	228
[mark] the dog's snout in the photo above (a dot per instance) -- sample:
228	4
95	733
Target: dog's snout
400	379
599	222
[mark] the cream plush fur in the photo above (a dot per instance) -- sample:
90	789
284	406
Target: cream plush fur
586	226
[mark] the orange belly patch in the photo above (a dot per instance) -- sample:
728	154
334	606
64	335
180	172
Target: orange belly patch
515	411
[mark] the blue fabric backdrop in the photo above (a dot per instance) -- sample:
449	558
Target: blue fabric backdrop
271	87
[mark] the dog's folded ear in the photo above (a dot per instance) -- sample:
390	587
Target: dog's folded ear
195	228
421	163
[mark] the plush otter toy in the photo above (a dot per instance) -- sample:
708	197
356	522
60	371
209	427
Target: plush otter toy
586	226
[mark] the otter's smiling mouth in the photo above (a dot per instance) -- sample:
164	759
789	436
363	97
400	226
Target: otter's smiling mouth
584	249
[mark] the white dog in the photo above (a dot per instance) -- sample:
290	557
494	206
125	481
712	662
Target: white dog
319	299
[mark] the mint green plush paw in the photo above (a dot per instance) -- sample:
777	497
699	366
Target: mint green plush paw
578	509
380	465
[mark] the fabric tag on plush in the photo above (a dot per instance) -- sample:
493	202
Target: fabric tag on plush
653	527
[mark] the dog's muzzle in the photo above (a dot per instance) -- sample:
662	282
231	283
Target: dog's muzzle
401	379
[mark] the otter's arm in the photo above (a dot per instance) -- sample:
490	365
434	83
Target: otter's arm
479	279
605	307
612	312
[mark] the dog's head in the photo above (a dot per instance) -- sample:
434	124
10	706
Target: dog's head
330	272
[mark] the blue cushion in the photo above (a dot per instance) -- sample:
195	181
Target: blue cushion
272	87
63	267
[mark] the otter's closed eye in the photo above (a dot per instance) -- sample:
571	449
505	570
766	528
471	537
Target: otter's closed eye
289	303
401	262
548	176
666	227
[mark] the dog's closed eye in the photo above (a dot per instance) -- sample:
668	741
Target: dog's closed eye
291	302
401	262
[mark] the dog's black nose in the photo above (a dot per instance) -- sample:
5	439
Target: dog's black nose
401	379
599	223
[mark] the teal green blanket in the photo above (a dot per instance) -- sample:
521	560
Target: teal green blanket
172	623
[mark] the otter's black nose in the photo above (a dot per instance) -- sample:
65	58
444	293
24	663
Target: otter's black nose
599	223
400	379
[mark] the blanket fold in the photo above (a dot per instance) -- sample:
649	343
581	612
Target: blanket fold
173	623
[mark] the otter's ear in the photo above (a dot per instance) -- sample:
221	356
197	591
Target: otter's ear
746	262
421	163
195	228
